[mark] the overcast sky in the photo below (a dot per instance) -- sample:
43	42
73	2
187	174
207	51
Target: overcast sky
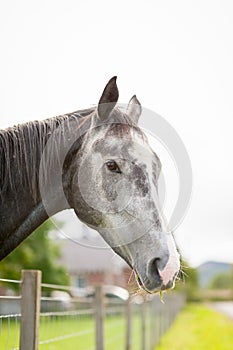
177	56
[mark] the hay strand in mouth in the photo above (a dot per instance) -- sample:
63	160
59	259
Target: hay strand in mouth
161	296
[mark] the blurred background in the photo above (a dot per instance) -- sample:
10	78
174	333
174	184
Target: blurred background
56	57
177	57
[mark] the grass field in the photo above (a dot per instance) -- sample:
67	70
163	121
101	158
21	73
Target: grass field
199	328
195	328
72	333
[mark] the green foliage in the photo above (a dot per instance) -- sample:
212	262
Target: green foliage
38	252
188	281
221	281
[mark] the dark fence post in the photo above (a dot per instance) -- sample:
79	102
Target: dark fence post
99	318
30	309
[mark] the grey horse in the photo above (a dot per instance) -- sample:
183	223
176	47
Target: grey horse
99	162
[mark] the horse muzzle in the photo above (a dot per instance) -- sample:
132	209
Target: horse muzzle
160	272
155	280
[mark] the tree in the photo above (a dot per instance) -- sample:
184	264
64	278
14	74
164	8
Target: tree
231	278
38	252
221	280
189	277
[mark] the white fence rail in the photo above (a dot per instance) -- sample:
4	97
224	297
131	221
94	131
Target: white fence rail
31	322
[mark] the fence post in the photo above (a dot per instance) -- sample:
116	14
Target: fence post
99	318
128	324
30	309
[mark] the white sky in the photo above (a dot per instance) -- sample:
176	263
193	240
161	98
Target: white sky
177	56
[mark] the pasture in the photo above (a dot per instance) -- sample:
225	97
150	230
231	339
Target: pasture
83	324
198	327
73	334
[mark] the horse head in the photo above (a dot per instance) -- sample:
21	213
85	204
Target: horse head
114	189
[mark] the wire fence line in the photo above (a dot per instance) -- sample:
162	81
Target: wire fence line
53	317
9	318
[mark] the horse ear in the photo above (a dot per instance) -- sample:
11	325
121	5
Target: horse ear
134	109
108	99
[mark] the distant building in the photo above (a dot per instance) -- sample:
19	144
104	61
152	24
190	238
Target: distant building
90	261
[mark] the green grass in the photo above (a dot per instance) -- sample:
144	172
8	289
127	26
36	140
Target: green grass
199	328
195	328
76	333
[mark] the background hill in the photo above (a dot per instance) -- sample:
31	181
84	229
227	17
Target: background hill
208	270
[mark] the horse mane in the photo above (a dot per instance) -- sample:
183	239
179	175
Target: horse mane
21	146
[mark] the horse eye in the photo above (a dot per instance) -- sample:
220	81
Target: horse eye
113	167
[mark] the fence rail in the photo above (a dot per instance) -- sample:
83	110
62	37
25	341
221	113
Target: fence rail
31	321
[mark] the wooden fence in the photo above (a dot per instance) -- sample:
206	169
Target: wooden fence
138	323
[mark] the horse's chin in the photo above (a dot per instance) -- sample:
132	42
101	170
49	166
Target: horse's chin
153	287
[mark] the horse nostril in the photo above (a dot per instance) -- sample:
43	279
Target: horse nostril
152	271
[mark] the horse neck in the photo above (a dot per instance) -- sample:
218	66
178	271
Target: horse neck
21	152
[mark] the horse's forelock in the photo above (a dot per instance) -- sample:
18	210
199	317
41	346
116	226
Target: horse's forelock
122	126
